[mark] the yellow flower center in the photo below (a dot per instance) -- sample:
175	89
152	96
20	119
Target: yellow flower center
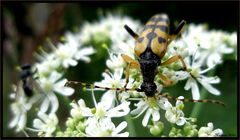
152	102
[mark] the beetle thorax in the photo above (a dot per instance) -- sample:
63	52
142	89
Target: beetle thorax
148	64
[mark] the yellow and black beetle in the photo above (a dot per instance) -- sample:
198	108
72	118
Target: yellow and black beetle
151	46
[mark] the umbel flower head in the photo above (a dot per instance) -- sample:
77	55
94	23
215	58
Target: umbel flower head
96	122
198	47
209	132
46	125
20	107
175	114
50	79
200	50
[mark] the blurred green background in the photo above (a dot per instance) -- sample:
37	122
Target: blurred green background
25	26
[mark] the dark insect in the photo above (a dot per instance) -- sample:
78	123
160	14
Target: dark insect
151	46
27	85
25	76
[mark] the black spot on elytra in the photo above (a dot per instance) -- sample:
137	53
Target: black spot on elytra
140	39
161	40
151	35
163	28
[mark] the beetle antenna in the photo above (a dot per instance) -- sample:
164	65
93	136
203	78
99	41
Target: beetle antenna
92	86
131	32
191	100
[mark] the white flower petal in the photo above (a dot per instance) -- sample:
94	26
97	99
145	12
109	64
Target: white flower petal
125	134
72	62
211	80
14	121
45	105
164	103
61	83
109	99
146	118
217	132
121	110
181	121
210	126
86	59
213	59
155	115
66	91
55	76
140	105
81	103
226	50
207	69
34	99
86	112
188	84
65	64
181	75
170	116
119	128
140	113
209	132
22	121
54	102
118	74
38	124
42	116
83	52
195	90
179	102
140	108
210	88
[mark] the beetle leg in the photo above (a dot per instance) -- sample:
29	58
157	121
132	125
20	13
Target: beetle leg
177	32
174	59
166	81
131	32
131	63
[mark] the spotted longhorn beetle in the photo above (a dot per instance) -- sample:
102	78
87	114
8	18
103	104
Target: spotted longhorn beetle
151	46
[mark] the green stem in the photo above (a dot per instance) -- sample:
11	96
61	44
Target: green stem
203	95
66	101
130	126
198	106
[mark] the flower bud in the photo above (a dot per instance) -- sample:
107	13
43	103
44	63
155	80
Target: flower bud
157	128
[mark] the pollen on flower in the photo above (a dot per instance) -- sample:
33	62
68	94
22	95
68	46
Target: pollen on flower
100	112
152	102
47	86
195	72
62	55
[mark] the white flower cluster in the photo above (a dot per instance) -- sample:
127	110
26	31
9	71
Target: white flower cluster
20	108
46	125
109	28
97	121
201	49
209	132
149	105
50	80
